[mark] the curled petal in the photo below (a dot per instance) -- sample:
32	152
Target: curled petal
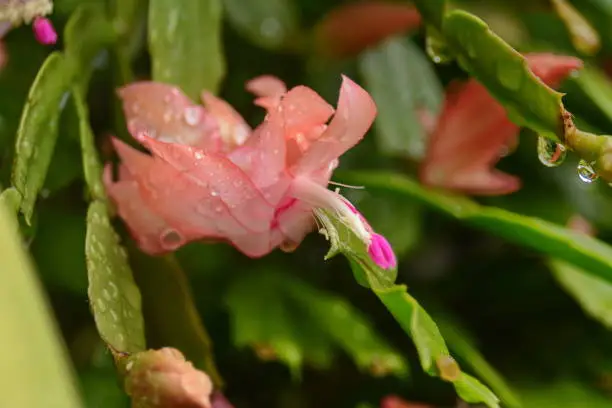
551	68
303	109
266	85
354	116
165	113
353	27
232	127
218	178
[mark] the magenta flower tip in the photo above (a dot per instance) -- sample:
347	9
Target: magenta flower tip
381	252
44	31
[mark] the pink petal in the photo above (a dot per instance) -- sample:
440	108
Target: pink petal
266	85
44	31
145	225
553	69
353	27
166	114
257	245
234	130
354	116
217	178
303	109
381	252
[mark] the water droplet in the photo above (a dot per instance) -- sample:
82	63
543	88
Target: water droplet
448	368
586	172
288	246
550	153
436	48
214	193
192	116
171	239
112	289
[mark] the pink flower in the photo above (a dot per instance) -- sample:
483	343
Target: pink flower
44	31
211	177
474	128
351	28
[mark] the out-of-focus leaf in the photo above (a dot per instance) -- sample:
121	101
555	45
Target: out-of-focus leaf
588	253
403	84
271	24
11	199
171	318
432	11
114	297
397	220
590	93
33	359
592	293
277	314
185	44
584	37
433	352
505	74
37	132
460	343
565	393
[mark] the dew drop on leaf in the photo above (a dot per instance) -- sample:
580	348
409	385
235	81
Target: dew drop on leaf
436	48
550	153
586	172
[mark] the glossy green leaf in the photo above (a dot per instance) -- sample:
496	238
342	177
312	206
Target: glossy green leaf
403	84
271	24
461	344
433	352
34	361
296	323
432	11
91	163
37	131
114	297
504	72
170	314
588	253
592	293
185	44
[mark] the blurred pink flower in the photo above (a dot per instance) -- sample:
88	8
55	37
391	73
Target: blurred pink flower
351	28
15	13
393	401
473	129
211	177
44	31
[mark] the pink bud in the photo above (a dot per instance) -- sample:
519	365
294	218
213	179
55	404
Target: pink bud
44	31
381	252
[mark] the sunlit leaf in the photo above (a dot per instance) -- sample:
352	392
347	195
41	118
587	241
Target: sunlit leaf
33	358
403	84
114	297
185	44
594	256
505	74
37	132
290	320
592	293
270	24
170	314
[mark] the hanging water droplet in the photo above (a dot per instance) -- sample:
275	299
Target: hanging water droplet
586	172
436	48
550	153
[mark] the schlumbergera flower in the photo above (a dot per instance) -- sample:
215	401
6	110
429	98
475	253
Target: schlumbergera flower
473	129
209	176
16	12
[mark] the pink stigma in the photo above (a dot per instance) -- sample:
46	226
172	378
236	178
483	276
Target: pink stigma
381	252
44	31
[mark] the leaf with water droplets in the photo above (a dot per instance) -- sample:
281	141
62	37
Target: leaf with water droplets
592	293
304	324
433	353
271	24
37	373
185	44
405	88
169	310
505	74
38	129
592	255
114	297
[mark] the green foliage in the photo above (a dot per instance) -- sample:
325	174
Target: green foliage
282	318
185	44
